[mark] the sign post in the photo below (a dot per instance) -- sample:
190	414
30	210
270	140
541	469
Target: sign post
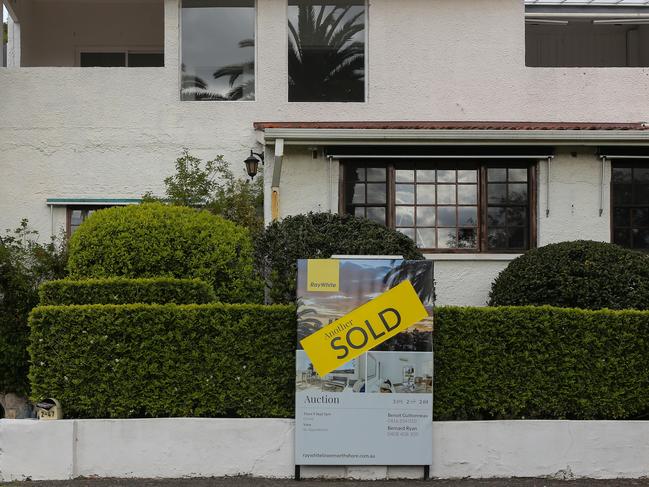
364	362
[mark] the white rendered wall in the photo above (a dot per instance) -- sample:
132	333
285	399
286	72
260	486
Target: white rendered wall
182	447
115	132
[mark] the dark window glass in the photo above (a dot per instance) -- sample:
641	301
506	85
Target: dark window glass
508	208
630	196
102	59
438	205
218	50
366	192
326	51
146	59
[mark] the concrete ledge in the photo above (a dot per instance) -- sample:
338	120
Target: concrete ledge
193	447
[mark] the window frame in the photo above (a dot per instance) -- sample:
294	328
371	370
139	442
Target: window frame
366	78
255	56
70	208
624	163
482	167
126	50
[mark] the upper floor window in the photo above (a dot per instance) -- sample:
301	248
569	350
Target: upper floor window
630	202
586	33
326	50
218	50
446	205
69	33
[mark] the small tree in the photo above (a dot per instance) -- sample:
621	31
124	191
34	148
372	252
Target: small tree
25	263
211	185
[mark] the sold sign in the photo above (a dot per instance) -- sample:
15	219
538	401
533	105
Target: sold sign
364	328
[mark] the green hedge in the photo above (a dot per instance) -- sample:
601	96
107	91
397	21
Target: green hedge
238	361
107	361
125	291
541	362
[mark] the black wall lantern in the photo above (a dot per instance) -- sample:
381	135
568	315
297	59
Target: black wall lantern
252	163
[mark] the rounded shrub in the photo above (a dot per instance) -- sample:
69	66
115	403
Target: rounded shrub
156	240
581	274
319	236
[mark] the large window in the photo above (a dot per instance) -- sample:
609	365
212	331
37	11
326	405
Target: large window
326	51
630	201
446	206
218	50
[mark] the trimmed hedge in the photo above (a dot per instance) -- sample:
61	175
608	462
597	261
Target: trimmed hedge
107	361
581	274
118	290
238	361
156	240
541	363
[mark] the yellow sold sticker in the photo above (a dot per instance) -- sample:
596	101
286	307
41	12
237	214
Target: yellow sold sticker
364	328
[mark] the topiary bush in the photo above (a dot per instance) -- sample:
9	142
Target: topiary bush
581	274
120	290
157	240
319	236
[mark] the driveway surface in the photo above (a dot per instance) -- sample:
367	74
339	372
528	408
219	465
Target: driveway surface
254	482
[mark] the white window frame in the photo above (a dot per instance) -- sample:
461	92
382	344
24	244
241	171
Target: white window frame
367	60
122	49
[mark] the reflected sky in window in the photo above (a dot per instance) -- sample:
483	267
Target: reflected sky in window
218	50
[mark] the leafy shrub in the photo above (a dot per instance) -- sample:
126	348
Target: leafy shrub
581	274
211	185
319	236
540	363
119	290
107	361
238	360
155	240
24	265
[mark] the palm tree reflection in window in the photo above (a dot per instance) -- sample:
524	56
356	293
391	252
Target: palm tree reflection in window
326	55
240	76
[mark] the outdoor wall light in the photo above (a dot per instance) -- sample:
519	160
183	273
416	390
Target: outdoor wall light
252	163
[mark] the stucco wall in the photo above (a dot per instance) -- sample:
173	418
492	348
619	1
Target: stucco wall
115	132
182	447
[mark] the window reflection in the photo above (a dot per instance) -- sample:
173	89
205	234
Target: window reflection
631	204
326	53
218	50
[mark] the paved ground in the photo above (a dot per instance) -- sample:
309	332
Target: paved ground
250	482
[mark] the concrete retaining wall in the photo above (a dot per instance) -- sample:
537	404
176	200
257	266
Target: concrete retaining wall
264	448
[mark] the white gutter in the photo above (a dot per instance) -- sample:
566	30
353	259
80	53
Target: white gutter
323	137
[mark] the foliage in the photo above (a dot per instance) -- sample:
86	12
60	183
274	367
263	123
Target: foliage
582	274
156	240
334	73
540	363
118	290
24	265
319	236
238	361
5	32
107	361
211	185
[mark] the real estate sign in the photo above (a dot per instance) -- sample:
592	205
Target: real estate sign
364	363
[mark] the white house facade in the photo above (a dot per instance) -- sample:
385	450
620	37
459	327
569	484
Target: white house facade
480	128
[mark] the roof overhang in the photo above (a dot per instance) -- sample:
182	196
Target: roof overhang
453	133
